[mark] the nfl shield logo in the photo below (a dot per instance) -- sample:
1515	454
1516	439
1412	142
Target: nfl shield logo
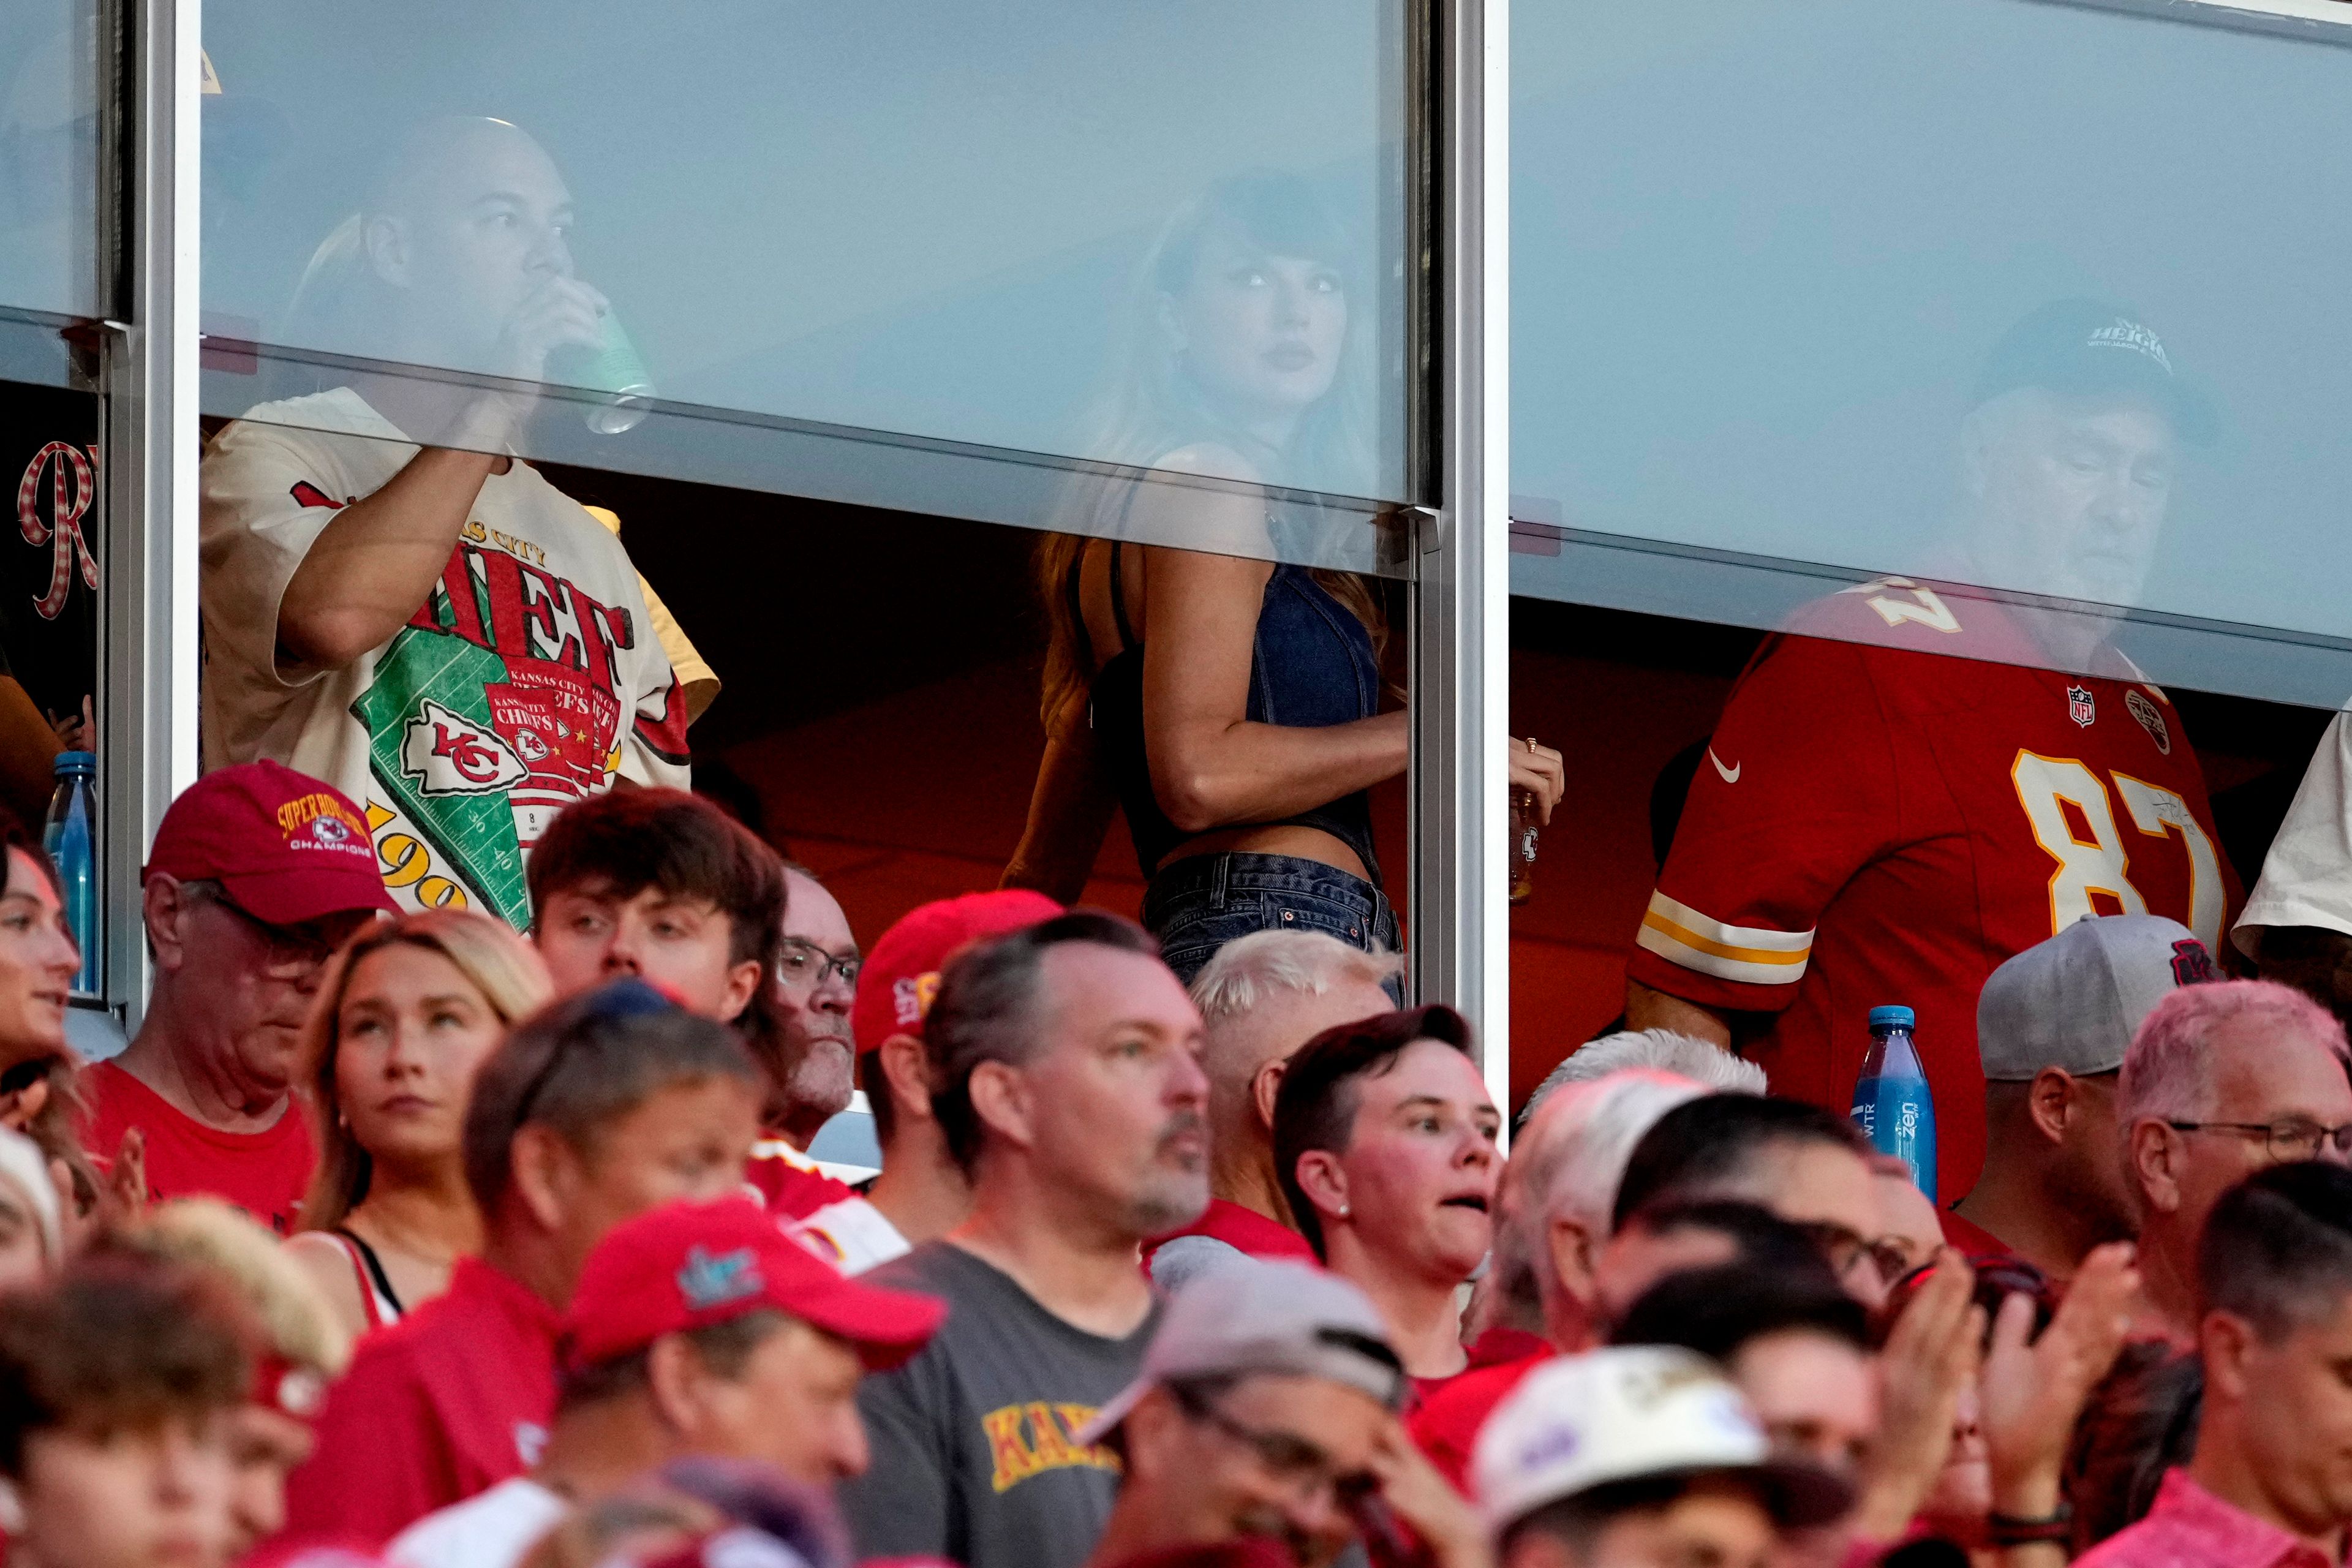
2079	707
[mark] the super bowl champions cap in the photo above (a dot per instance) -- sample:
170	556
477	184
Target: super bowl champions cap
1263	1316
2075	1000
285	847
2088	346
1630	1412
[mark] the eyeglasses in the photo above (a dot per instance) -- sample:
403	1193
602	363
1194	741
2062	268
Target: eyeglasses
293	950
1846	1248
2285	1141
803	965
1289	1459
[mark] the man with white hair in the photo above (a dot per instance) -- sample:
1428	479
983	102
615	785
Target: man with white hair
2220	1081
1553	1216
1262	997
1703	1062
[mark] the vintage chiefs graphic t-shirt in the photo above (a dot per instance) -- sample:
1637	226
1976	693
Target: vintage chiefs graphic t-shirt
530	678
1893	804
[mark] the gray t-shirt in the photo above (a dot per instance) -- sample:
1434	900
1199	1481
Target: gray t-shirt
973	1457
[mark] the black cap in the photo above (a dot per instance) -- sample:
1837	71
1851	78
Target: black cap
2088	346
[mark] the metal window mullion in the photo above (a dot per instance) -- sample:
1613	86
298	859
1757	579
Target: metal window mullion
1461	695
151	454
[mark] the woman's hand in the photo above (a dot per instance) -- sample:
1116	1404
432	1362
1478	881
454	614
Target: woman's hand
1539	771
2032	1393
1932	1354
1426	1502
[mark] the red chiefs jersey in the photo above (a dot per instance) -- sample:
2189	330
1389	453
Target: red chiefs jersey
1893	805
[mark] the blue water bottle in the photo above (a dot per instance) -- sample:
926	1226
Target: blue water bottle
70	834
1892	1104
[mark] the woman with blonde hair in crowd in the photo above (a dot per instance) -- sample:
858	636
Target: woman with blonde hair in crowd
406	1014
1229	698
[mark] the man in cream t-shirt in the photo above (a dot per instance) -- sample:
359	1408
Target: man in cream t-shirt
434	627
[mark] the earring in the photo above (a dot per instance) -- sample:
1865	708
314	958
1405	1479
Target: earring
1343	1211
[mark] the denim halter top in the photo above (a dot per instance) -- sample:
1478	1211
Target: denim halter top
1312	664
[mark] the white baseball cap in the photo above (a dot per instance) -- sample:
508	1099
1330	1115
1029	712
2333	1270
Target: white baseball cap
1255	1315
1630	1412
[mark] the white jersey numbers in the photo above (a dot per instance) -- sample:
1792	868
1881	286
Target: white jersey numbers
2157	811
1914	604
2046	786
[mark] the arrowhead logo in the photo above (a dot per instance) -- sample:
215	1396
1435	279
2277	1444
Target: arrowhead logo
448	754
1731	774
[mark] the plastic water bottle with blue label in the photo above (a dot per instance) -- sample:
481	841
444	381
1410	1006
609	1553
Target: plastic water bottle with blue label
70	834
1892	1104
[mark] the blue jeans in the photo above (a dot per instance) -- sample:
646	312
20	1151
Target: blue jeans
1196	905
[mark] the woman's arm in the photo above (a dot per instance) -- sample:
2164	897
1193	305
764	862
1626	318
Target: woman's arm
1211	767
1069	813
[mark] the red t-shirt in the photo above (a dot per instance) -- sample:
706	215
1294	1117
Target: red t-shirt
448	1402
1446	1425
1887	818
265	1173
1243	1230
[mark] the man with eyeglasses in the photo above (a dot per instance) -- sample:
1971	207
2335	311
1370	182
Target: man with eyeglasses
1263	1428
2222	1081
815	985
257	874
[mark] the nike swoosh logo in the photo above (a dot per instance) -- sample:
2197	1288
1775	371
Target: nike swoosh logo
1731	774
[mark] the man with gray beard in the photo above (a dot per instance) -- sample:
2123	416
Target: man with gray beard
1064	1060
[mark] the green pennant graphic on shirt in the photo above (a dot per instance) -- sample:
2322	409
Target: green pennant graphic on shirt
433	750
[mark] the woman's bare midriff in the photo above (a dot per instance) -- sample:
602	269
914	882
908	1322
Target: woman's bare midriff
1272	838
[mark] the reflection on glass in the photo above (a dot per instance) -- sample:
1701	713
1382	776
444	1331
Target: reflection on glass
911	219
2064	476
1232	709
1758	255
48	156
460	259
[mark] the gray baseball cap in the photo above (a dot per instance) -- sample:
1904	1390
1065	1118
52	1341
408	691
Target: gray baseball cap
2075	1001
1260	1316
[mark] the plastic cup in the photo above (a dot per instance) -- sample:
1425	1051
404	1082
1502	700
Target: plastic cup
615	372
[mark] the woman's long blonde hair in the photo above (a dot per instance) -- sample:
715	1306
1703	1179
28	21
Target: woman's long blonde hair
1153	408
496	961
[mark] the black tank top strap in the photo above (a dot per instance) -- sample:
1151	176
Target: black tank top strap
1073	589
1127	637
374	1267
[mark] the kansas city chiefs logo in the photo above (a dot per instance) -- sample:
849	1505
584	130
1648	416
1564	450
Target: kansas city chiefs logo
447	753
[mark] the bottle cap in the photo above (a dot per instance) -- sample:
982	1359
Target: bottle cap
1893	1019
72	762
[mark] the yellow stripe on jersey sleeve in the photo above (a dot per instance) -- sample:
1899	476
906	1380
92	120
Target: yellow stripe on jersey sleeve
1756	955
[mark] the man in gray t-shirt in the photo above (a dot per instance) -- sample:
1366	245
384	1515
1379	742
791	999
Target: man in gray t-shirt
1064	1057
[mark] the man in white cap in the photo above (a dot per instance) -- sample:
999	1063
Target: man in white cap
2053	1025
1262	1425
1641	1456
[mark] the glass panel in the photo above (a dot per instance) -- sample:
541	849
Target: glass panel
1994	295
51	554
50	76
914	254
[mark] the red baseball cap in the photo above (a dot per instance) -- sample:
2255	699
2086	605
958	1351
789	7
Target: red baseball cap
901	974
687	1266
285	846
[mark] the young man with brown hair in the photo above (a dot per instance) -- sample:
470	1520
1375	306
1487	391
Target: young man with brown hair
665	886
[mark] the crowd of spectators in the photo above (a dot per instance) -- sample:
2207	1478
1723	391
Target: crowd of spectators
402	1237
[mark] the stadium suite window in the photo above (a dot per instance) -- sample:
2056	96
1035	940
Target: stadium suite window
1791	303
